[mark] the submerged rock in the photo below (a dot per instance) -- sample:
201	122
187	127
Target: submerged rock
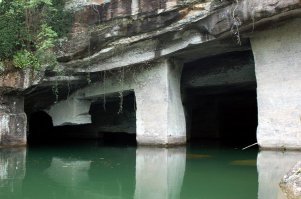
291	182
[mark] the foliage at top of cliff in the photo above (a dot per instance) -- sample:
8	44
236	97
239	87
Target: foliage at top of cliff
29	29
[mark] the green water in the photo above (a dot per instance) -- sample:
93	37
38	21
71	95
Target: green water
102	172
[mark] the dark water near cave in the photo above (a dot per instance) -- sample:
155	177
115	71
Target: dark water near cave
103	172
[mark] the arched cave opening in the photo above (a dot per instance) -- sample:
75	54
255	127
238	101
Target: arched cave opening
40	126
219	96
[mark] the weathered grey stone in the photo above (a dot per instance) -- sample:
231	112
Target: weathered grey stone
160	115
277	54
11	104
120	114
73	111
291	182
16	80
13	121
192	23
224	70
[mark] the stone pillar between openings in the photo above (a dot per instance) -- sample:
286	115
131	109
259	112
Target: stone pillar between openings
160	116
277	54
13	121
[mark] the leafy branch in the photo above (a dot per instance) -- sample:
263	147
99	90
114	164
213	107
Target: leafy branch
29	30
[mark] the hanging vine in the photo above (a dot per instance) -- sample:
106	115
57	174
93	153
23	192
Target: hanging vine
121	92
236	23
104	90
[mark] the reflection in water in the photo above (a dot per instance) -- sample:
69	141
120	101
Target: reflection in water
196	156
80	172
68	172
224	173
272	166
142	173
159	172
12	172
244	162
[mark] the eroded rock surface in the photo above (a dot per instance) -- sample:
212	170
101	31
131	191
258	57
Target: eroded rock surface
161	29
13	121
291	182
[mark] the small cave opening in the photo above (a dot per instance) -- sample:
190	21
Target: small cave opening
227	118
220	100
40	127
113	119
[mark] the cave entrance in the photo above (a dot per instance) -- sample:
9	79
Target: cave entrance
219	95
113	122
114	118
40	127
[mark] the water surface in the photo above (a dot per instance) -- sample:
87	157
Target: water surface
103	172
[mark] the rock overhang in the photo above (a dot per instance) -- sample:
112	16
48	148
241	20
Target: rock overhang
148	36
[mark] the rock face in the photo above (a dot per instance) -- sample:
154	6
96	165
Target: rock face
291	182
160	29
160	116
13	121
277	65
147	43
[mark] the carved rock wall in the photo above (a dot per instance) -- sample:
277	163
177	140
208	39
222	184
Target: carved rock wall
13	121
111	34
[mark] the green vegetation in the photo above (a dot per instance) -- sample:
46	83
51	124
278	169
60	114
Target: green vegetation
25	59
28	31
